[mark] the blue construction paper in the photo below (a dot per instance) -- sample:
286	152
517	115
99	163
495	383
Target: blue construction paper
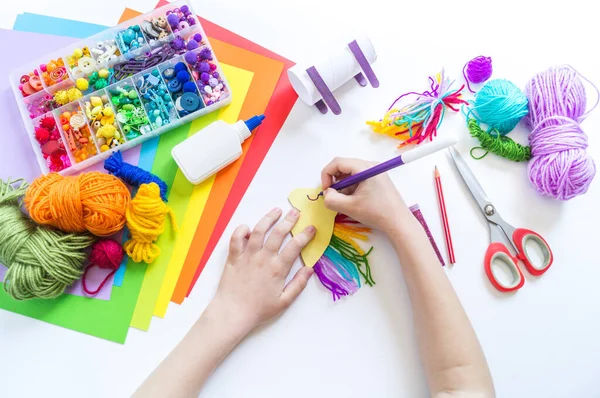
36	23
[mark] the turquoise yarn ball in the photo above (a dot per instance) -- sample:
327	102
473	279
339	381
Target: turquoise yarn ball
501	105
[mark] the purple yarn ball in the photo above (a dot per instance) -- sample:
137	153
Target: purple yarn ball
173	20
190	58
205	77
204	67
478	70
198	37
560	166
192	45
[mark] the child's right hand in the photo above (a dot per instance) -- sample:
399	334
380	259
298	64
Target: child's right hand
374	202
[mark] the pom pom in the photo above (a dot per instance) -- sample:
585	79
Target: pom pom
48	122
189	87
184	9
192	45
42	135
205	77
206	54
173	20
216	75
178	43
198	37
213	67
180	66
183	76
204	67
190	58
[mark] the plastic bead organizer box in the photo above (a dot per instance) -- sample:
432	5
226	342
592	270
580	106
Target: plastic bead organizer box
119	88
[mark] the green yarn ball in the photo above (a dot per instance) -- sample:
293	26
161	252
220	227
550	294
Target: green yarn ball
501	105
41	262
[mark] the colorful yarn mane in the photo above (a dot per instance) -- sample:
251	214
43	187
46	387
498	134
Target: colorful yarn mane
420	120
344	261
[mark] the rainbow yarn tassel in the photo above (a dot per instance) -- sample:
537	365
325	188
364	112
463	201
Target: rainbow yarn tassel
420	120
344	261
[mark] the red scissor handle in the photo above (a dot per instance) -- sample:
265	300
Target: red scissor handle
497	252
520	237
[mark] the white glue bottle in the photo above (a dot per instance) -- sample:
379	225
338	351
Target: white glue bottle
213	148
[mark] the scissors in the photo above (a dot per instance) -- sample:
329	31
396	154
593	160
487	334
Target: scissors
500	232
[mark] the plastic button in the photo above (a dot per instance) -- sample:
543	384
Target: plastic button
169	73
189	102
174	86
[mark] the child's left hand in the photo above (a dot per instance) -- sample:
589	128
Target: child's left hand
252	290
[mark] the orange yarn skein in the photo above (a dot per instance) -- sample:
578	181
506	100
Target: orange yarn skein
93	202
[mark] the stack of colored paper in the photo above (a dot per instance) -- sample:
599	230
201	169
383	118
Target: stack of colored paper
138	292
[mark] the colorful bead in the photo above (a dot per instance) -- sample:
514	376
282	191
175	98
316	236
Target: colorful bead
180	19
210	84
179	82
130	39
130	112
157	103
103	122
77	134
105	51
54	72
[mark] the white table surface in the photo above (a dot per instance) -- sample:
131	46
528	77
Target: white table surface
541	342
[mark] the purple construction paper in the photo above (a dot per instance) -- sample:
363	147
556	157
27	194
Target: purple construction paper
17	159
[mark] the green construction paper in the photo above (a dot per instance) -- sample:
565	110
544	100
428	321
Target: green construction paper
105	319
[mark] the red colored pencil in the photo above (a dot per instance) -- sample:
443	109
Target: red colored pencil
442	203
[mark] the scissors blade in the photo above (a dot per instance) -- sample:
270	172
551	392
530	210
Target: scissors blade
472	183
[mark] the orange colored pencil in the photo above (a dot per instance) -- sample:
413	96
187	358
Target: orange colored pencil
444	213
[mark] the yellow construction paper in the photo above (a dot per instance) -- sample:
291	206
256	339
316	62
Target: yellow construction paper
157	272
195	208
313	213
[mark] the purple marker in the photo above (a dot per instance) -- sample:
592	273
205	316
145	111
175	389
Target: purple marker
407	157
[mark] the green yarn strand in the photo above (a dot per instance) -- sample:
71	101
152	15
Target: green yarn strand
498	144
359	260
41	262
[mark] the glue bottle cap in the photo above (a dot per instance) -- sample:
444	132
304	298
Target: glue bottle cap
246	127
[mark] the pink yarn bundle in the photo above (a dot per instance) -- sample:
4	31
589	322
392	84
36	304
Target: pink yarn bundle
560	166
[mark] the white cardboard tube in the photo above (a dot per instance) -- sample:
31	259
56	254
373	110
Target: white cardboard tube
335	70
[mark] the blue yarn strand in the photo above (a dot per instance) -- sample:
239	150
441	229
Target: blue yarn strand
347	270
133	175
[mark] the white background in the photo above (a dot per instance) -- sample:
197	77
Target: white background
541	342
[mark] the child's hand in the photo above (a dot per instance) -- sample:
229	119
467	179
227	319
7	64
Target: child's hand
252	290
374	202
